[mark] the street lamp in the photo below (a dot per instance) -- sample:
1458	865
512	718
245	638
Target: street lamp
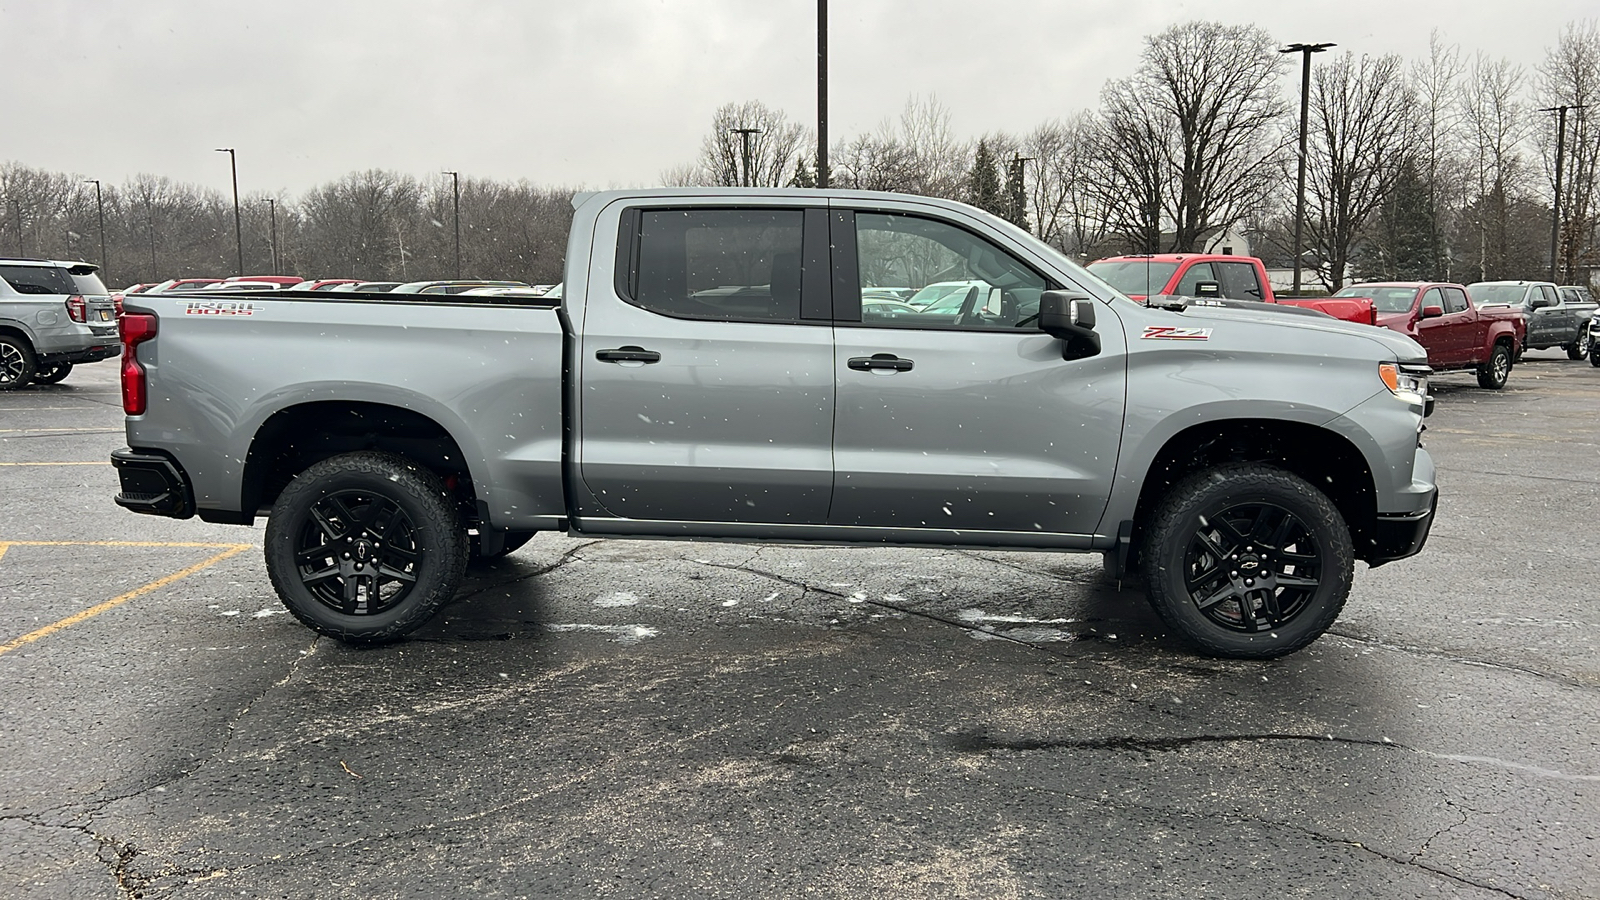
100	209
744	140
1305	105
1555	212
822	93
455	182
272	235
238	226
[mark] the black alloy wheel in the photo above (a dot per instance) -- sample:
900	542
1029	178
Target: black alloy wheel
365	547
16	363
1248	561
52	374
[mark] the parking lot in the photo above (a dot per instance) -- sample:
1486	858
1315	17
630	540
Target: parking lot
682	719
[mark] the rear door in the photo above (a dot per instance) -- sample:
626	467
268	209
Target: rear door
706	386
971	423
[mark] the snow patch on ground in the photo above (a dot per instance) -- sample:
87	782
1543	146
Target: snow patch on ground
620	598
626	634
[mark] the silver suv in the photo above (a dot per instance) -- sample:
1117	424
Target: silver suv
53	315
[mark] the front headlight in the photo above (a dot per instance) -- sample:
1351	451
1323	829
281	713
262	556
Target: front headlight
1409	383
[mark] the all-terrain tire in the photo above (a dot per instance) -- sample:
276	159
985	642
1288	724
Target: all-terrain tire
365	547
1492	374
1579	348
17	363
52	374
1247	561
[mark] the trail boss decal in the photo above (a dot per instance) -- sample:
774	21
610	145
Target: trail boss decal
218	308
1170	333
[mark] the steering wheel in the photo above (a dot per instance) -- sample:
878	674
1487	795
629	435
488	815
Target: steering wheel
969	306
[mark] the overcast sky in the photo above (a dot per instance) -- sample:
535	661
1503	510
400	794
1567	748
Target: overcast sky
595	93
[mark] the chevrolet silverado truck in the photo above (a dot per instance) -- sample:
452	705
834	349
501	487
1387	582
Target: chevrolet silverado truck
711	372
1552	320
1209	275
1456	333
53	316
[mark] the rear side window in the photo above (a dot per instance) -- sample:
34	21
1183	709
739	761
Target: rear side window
41	280
731	264
1239	281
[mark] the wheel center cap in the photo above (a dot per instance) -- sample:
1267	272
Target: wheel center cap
363	551
1250	565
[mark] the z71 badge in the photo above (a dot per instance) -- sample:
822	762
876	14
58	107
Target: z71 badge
218	308
1171	333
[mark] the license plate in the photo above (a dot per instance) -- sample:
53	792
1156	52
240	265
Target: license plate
105	315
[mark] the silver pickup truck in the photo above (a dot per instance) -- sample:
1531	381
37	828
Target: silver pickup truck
713	372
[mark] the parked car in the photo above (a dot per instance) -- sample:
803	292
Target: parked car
1552	320
53	315
280	280
1442	318
450	287
1210	276
1574	293
243	286
1244	457
930	294
1594	341
182	284
365	287
325	284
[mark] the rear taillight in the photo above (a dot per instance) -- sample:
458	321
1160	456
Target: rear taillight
77	309
136	329
116	300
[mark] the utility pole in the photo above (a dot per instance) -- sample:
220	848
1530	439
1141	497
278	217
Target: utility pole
822	93
455	184
238	222
100	209
1555	212
272	236
744	156
1019	196
1305	107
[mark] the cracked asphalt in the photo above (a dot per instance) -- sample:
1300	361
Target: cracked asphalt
688	719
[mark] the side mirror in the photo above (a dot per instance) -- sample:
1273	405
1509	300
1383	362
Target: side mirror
1541	303
1432	312
1070	317
1209	290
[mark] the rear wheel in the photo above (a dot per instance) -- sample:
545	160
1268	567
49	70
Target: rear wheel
1579	348
17	363
52	374
1248	561
365	547
1492	374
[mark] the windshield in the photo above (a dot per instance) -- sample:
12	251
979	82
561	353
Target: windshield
1485	294
1386	299
1138	277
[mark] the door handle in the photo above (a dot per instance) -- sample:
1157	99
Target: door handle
880	362
629	353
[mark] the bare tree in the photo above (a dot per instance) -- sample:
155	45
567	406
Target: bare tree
1570	76
364	225
1363	115
919	154
750	144
1495	122
1435	82
1066	212
1193	129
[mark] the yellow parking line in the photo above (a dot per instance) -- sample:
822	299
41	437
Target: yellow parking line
106	463
51	430
114	602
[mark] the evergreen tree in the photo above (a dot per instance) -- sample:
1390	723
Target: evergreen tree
983	182
1402	246
805	174
1016	194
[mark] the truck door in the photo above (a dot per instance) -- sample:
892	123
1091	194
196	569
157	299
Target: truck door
1545	325
1441	335
706	367
968	422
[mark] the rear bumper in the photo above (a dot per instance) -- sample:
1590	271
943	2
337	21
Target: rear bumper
1397	537
88	355
152	484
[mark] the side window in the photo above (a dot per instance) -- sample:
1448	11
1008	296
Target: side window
37	280
1239	281
1455	300
1194	275
732	264
1434	297
1549	293
949	278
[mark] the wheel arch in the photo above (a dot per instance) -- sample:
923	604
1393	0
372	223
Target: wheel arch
15	329
1326	459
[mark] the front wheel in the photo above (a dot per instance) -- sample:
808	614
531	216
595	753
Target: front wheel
1248	561
1594	354
1579	348
17	363
53	374
365	547
1492	374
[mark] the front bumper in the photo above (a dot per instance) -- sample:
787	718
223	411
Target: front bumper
152	484
1397	537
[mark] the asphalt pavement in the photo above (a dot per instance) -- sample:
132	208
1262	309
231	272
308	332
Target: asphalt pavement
691	719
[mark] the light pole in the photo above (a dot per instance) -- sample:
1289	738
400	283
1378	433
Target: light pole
1555	211
1019	195
744	156
1305	50
238	224
272	235
455	190
822	93
100	210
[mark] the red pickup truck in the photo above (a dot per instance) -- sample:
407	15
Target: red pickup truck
1457	333
1208	275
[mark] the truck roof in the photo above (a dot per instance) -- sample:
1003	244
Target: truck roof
1175	257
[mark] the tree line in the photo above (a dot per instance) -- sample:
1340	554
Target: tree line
1439	167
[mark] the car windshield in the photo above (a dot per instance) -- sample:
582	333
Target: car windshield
1485	294
1139	277
933	293
1386	299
